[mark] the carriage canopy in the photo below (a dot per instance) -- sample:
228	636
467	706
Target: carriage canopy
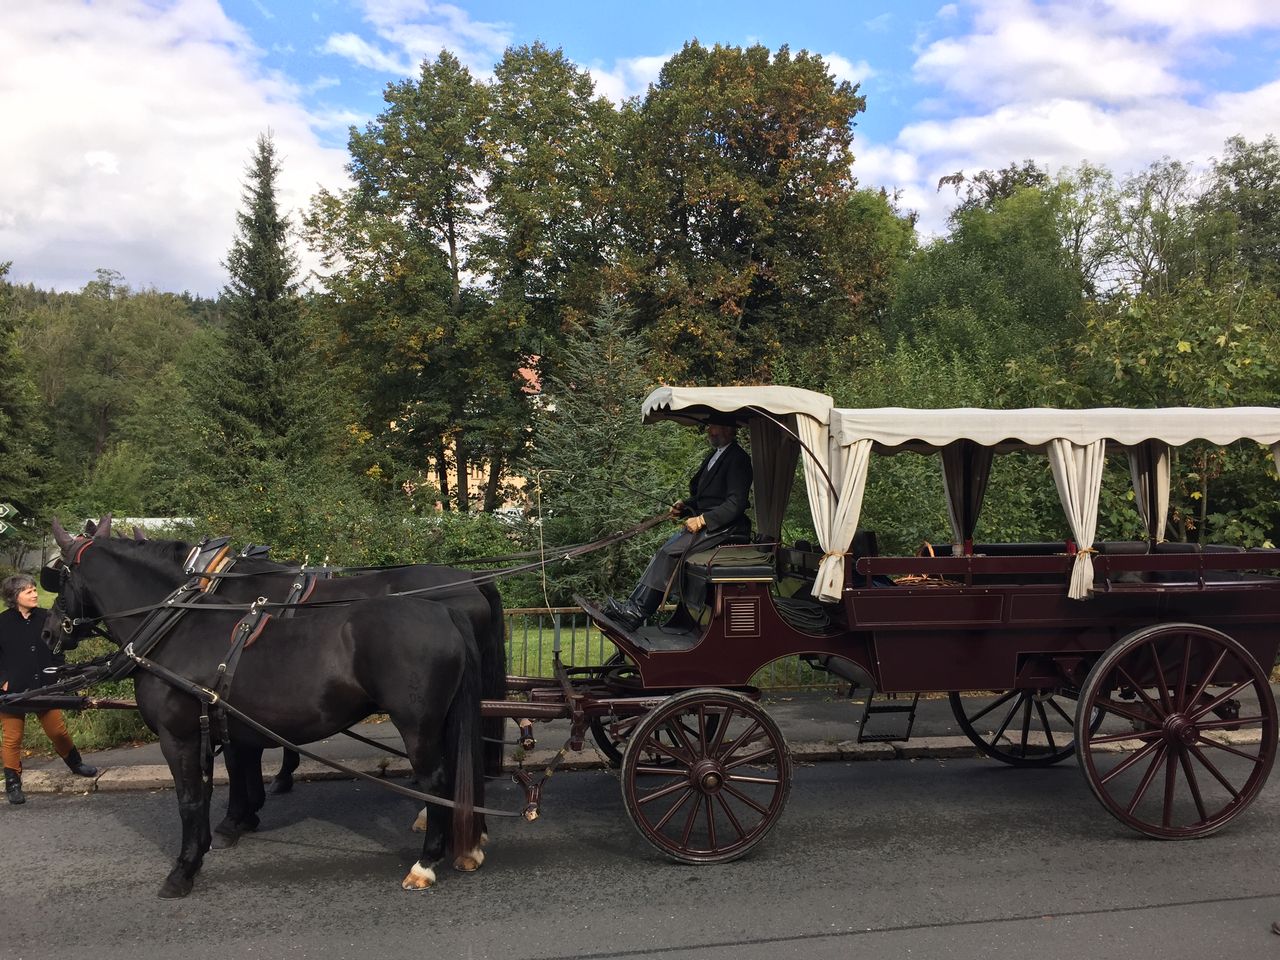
838	443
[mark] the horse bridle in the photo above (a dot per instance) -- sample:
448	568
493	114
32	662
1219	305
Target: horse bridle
73	625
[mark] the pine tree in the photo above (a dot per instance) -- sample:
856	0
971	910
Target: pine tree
21	429
264	332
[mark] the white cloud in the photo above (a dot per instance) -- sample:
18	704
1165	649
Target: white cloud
129	125
629	77
1190	18
1021	51
843	69
419	30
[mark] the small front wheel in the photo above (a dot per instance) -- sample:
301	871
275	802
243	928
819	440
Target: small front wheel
706	775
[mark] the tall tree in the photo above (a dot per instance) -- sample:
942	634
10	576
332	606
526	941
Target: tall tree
259	395
734	168
397	246
21	426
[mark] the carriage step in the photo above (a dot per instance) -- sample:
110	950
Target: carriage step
892	705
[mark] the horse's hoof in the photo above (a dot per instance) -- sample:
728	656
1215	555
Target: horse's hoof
469	862
282	785
420	823
419	878
175	887
225	840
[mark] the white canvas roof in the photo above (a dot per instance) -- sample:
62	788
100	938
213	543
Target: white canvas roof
693	404
916	429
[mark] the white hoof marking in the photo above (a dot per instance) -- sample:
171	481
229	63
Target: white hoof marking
420	824
419	878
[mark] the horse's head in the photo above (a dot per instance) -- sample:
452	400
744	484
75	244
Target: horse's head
96	574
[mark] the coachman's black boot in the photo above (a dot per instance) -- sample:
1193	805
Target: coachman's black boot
76	764
13	786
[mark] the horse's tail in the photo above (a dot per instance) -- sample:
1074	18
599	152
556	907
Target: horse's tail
462	734
493	669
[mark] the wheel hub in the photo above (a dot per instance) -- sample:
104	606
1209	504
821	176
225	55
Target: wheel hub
1180	728
708	775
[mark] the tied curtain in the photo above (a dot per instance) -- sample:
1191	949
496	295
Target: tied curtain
1077	470
1149	465
842	522
966	468
773	461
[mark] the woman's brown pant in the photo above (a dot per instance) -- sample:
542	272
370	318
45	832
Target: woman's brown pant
11	728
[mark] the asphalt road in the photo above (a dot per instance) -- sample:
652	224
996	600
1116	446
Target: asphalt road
922	859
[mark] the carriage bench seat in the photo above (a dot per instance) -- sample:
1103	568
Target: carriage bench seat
732	564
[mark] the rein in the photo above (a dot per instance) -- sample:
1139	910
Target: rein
173	603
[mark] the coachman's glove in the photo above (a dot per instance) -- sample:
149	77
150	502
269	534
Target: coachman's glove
694	524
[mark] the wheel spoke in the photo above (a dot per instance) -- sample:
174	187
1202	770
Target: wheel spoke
1181	701
1229	723
733	819
1160	682
657	746
1220	700
679	733
768	781
991	706
1170	781
739	742
1217	774
1136	757
711	823
1062	713
721	729
1044	721
1155	710
728	788
664	791
693	816
1026	720
1008	718
1122	737
1125	711
1251	757
1208	678
1190	774
768	751
675	807
1150	775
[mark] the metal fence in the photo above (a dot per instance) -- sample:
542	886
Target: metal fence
535	633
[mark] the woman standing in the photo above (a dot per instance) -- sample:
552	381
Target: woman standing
23	657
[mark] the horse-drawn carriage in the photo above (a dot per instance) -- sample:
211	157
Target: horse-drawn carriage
1169	643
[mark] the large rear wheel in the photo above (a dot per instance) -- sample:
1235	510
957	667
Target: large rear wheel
1202	737
706	775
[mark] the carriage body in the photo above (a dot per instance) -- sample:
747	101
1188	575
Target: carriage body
1171	643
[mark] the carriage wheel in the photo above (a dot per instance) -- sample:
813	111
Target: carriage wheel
1023	728
706	775
1203	732
612	737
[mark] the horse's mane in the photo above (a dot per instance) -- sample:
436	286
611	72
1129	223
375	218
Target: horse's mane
158	556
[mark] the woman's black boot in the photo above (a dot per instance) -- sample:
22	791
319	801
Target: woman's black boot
77	765
13	786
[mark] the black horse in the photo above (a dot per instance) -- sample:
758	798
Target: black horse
305	678
481	604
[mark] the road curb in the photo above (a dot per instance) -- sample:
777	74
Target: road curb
156	776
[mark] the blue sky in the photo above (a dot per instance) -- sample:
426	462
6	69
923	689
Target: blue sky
130	121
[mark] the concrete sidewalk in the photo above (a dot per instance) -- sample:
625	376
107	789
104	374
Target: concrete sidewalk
816	726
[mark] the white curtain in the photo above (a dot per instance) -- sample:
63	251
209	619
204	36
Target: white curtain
966	468
851	476
773	462
1077	470
1149	467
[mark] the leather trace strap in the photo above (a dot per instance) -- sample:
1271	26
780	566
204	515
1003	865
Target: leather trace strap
211	698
